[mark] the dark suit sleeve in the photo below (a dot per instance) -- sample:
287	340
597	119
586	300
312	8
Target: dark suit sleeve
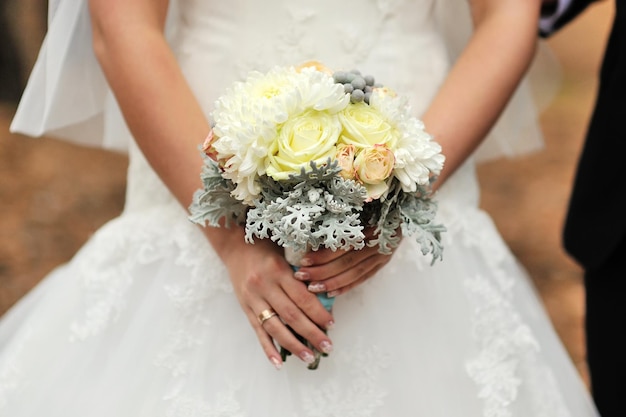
574	9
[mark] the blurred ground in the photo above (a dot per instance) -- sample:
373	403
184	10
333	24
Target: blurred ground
54	195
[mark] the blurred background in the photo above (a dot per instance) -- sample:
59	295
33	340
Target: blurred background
54	195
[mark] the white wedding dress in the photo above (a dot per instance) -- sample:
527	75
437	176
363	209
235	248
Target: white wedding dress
143	320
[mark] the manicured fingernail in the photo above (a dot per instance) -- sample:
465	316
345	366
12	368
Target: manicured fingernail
316	287
330	325
277	364
306	262
326	346
307	357
302	276
332	294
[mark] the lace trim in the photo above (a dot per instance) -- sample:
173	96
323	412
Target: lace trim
109	262
190	298
365	393
503	340
509	351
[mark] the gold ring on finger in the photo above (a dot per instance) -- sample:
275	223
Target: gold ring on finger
266	315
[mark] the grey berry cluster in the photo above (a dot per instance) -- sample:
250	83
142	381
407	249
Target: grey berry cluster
358	86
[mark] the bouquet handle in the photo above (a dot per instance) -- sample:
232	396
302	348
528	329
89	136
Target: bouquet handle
294	258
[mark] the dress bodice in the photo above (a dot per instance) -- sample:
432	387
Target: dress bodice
397	41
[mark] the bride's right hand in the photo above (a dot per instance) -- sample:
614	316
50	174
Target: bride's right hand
263	280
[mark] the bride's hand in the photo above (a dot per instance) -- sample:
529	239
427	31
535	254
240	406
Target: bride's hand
340	271
263	282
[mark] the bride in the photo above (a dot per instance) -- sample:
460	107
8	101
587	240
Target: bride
157	317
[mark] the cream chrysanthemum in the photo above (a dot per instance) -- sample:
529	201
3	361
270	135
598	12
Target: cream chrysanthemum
418	157
248	118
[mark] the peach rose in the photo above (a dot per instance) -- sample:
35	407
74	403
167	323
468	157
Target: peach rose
345	159
207	146
373	166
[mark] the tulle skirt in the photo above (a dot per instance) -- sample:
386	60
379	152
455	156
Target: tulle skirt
143	322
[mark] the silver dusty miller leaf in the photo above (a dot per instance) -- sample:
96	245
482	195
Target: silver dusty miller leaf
318	208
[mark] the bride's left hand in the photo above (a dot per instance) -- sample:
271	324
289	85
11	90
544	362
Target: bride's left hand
339	271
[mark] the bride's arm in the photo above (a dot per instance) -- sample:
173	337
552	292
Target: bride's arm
168	124
483	78
466	107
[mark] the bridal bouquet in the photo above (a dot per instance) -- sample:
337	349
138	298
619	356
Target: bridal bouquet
309	158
